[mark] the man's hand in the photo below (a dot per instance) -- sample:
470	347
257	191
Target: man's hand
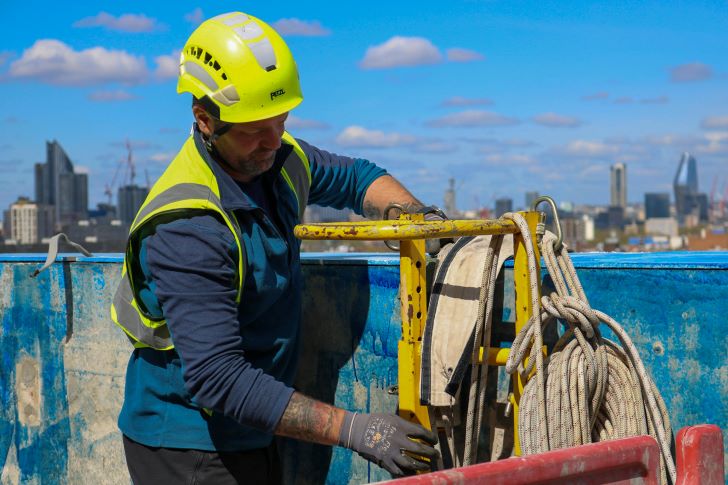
389	441
433	246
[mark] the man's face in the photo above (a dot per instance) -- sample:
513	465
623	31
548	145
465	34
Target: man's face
250	148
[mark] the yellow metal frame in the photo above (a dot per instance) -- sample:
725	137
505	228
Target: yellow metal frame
411	230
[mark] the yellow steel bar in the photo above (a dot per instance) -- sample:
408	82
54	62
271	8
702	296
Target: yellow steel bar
496	355
524	307
413	302
402	229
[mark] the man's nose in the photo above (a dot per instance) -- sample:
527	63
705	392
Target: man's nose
271	139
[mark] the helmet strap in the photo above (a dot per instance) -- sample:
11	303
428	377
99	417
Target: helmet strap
221	127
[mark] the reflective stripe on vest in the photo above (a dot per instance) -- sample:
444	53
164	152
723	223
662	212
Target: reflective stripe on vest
189	184
297	173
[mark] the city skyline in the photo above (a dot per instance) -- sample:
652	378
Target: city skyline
504	98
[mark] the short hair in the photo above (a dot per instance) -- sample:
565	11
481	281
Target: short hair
206	103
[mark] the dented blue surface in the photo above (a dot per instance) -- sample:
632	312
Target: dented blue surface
63	362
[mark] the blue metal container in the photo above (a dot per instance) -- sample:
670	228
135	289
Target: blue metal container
63	361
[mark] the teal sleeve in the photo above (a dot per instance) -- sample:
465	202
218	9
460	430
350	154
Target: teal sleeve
339	181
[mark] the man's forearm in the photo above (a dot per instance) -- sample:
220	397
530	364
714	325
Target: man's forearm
387	190
310	420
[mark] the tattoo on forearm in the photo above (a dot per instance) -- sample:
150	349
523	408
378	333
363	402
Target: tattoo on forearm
310	420
371	211
412	207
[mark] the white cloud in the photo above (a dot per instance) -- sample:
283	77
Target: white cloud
694	71
473	118
714	122
589	149
162	157
53	62
195	17
592	169
457	54
296	123
167	66
357	136
106	96
715	143
510	159
670	139
296	27
401	51
492	144
127	22
81	169
461	101
594	96
557	120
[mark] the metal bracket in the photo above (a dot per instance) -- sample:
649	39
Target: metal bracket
555	213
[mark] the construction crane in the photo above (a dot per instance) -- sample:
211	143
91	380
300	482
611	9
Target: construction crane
713	208
129	175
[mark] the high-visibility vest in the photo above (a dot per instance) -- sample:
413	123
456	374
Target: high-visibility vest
188	186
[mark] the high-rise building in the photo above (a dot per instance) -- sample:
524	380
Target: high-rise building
530	197
503	205
657	204
27	222
618	185
450	207
57	185
131	198
701	206
686	185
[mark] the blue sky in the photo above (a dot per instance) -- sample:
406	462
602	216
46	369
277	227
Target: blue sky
503	96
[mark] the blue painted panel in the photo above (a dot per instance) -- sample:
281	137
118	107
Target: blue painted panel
35	428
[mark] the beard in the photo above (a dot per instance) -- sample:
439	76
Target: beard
255	164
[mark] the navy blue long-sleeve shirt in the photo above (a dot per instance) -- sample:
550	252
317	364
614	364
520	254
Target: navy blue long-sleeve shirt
237	360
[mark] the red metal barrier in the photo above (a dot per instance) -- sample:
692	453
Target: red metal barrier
625	461
699	455
699	451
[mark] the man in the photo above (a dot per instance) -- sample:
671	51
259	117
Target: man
211	289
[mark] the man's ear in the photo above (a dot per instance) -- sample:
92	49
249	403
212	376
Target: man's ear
204	121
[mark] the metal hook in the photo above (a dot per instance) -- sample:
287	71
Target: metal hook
387	210
557	223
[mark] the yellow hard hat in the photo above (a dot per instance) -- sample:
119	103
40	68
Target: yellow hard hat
242	66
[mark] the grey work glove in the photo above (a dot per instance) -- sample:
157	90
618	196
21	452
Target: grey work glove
433	246
389	441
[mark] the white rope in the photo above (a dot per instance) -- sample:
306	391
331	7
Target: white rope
591	388
588	389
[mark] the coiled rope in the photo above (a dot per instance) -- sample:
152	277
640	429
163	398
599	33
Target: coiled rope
589	388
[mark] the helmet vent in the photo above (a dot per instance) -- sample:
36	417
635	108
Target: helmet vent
207	59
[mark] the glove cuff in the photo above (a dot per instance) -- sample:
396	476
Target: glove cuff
347	425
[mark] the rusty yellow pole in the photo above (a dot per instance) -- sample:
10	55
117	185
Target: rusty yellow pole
413	301
402	229
524	307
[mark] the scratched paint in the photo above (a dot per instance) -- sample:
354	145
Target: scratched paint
35	428
673	308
